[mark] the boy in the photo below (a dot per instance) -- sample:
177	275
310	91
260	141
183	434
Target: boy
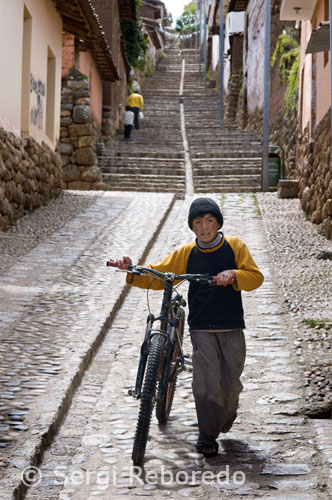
215	318
128	121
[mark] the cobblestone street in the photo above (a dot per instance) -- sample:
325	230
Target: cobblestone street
71	329
272	443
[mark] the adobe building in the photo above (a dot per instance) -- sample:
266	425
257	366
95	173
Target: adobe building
30	90
154	19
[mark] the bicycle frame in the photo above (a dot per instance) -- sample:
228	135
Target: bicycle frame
168	327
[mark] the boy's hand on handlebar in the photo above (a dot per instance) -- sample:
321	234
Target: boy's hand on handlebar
120	263
124	262
225	278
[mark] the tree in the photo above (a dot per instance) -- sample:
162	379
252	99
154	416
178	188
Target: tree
186	21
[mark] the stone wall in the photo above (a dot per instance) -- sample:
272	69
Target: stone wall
284	132
78	136
232	97
255	122
30	175
315	175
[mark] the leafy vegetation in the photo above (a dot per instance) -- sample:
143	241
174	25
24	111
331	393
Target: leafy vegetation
287	50
134	42
187	19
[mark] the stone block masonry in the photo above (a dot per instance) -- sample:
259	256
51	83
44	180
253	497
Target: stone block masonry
30	175
78	136
315	176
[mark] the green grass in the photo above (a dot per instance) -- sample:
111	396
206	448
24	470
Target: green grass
222	201
258	210
313	323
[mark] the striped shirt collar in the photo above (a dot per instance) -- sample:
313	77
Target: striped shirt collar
211	244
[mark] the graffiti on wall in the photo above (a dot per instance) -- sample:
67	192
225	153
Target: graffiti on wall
37	87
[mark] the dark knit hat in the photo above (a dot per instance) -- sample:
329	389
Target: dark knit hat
203	206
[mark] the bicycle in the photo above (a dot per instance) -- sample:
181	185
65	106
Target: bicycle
161	354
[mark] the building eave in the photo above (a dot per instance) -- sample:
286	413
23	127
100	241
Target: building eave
295	10
79	17
320	39
127	9
237	5
150	22
214	14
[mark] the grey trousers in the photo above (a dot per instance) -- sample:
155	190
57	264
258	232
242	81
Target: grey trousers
218	361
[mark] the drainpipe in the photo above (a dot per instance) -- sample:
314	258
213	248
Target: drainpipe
221	62
190	29
196	5
200	36
265	167
205	42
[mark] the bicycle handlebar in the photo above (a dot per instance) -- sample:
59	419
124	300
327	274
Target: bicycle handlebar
147	271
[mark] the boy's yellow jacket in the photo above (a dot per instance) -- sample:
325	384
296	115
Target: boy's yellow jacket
211	307
135	101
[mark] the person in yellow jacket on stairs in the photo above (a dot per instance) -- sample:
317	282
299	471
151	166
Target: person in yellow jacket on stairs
135	103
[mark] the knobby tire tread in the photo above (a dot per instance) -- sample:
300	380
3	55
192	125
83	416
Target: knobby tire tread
147	400
164	406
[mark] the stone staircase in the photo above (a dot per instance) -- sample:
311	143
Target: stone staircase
223	160
154	159
227	160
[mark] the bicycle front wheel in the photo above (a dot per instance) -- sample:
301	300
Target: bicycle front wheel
164	405
147	399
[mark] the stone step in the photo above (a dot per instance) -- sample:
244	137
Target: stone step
225	160
144	188
211	188
159	183
132	160
172	162
138	170
227	154
219	143
143	154
226	170
229	180
150	178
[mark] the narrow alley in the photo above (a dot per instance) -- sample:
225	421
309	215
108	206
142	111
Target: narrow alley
181	137
71	329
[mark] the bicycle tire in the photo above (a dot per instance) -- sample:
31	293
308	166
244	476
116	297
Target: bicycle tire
147	400
164	406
